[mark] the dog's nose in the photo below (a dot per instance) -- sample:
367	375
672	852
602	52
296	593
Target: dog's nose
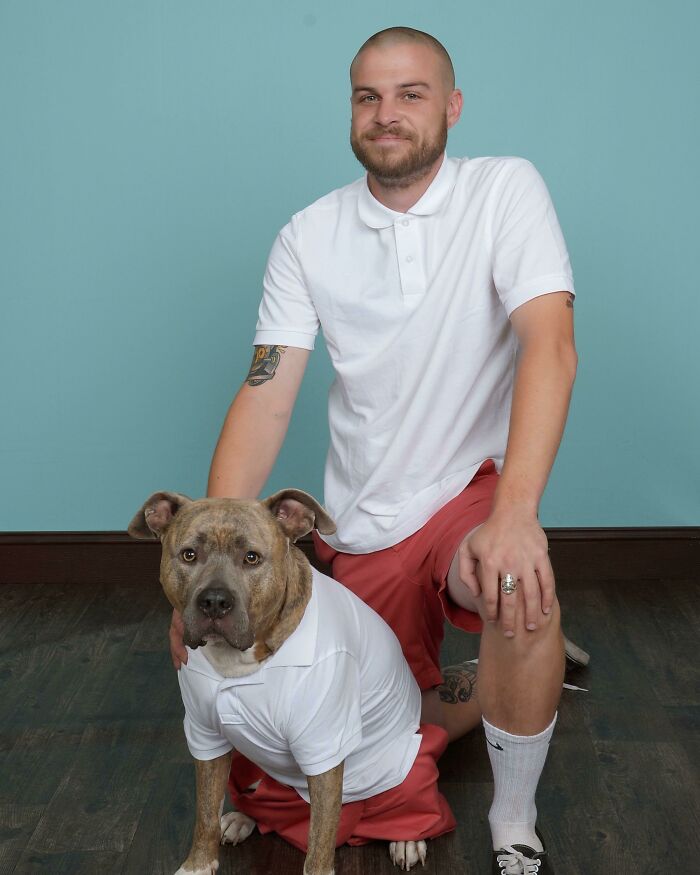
215	603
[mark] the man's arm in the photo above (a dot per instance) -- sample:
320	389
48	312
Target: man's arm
512	540
256	423
251	437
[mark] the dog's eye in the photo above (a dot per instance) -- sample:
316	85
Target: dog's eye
188	555
252	558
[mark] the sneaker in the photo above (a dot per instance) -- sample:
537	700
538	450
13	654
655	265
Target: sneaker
575	656
521	860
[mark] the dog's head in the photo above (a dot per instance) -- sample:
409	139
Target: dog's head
226	563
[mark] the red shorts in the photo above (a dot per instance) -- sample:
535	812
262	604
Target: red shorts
412	811
407	584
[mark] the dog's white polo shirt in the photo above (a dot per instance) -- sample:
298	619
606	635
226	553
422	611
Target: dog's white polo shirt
414	309
338	689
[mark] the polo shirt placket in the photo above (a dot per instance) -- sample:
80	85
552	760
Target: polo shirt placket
409	253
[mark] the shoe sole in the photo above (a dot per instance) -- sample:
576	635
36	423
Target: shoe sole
575	655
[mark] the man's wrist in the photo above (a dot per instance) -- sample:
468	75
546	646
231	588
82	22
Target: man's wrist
511	502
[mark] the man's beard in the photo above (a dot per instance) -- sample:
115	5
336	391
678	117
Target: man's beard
412	165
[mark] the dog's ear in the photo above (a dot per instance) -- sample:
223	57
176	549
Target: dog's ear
157	513
297	513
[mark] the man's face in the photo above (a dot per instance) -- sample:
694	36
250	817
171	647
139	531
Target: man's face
402	108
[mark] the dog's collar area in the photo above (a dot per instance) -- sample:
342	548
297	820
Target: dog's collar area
298	649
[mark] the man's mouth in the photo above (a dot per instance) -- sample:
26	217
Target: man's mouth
387	135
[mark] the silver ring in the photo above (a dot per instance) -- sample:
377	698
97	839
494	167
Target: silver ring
508	584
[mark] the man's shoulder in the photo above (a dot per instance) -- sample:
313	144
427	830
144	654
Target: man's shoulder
490	168
334	201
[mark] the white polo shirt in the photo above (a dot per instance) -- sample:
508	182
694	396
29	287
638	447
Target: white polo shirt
414	309
338	689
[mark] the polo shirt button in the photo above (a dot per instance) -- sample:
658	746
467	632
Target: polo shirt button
409	258
405	223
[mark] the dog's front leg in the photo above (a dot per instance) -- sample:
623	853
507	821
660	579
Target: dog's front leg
212	776
326	795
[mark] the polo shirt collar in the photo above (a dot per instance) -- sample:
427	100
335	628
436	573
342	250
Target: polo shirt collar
298	649
376	215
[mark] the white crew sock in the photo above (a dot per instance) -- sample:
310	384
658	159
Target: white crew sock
517	762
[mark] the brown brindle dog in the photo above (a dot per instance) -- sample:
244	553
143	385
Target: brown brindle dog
231	569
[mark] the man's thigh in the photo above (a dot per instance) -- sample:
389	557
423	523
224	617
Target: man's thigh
407	584
384	583
439	541
458	591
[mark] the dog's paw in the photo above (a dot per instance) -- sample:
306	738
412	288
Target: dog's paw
235	827
207	869
405	855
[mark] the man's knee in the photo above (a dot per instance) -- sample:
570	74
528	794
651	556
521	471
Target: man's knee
524	639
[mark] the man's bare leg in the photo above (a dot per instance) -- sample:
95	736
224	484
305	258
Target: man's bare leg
520	684
454	705
520	678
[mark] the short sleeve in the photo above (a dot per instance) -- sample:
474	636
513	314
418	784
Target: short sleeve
204	740
287	315
326	724
529	252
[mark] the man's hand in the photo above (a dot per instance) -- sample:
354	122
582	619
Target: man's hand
178	651
510	540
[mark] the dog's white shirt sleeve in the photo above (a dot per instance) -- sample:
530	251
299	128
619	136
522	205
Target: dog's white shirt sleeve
204	739
326	721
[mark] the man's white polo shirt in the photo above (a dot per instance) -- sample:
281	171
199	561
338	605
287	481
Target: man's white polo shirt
338	689
415	311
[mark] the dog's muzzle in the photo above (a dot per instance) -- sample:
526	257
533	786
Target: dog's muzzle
215	603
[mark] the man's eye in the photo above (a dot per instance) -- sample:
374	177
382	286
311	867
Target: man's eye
188	555
367	98
412	95
252	558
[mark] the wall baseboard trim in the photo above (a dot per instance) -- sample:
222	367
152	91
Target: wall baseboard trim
577	554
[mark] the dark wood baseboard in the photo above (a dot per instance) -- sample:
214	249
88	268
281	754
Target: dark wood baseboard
577	554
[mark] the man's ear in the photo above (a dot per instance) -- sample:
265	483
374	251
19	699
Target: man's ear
298	512
157	513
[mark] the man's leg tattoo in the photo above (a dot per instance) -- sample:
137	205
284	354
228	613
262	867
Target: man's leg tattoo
458	683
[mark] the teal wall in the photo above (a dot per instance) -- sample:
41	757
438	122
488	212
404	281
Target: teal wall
150	150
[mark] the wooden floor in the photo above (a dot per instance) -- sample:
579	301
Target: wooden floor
95	775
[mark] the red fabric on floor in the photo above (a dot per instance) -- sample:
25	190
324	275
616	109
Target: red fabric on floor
414	810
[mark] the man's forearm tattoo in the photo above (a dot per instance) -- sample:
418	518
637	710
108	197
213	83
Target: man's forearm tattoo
458	683
264	364
570	302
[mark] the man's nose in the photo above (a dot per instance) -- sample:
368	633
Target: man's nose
387	113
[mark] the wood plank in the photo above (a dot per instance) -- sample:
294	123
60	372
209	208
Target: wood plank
34	768
665	629
17	823
68	862
657	806
98	802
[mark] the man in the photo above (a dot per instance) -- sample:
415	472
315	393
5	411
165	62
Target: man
427	276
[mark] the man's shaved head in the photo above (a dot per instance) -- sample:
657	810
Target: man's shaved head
396	35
